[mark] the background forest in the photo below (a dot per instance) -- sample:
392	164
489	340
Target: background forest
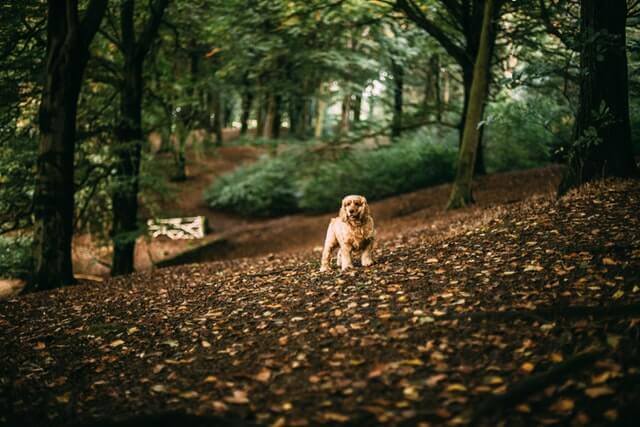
105	104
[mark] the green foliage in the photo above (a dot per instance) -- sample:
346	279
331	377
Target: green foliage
525	131
265	188
16	260
300	181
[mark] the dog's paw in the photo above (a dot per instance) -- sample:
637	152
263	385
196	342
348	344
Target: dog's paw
367	262
324	269
346	267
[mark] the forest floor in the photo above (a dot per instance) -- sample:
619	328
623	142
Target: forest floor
524	314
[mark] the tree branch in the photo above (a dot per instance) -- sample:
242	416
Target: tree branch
91	21
413	13
151	29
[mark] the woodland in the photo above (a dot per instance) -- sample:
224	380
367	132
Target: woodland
498	145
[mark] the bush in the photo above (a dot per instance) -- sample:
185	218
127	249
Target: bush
16	260
524	133
405	166
265	188
298	180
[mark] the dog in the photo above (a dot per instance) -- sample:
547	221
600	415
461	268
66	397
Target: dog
352	231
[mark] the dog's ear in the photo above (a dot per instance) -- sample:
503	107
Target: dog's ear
367	211
343	213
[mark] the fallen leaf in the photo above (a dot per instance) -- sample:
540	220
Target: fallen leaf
562	405
159	388
219	406
334	416
39	346
239	397
116	343
63	398
433	380
189	395
456	387
618	294
608	261
527	367
263	376
595	392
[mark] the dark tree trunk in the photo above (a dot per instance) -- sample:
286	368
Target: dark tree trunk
432	90
125	196
247	101
398	88
461	194
68	42
602	141
357	108
129	134
217	117
277	118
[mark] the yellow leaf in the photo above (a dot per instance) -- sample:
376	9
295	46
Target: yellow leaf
618	294
432	260
563	405
595	392
334	416
210	379
189	395
613	341
116	343
456	387
63	398
608	261
556	357
39	346
527	367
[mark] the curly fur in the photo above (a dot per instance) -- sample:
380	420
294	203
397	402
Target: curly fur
352	231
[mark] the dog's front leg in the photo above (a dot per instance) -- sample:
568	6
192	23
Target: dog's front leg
330	242
345	258
367	259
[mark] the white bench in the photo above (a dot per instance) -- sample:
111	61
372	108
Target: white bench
178	228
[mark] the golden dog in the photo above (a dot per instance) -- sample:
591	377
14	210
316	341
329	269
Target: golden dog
352	231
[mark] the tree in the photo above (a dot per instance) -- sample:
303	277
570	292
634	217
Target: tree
68	40
460	40
602	139
461	194
134	50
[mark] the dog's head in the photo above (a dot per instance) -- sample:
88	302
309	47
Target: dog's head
354	208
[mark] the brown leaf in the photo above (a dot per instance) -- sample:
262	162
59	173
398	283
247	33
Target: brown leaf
562	405
263	376
595	392
239	397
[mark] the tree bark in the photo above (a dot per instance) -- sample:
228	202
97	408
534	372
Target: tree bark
129	134
461	194
269	117
216	99
68	42
344	114
247	101
321	107
398	88
602	136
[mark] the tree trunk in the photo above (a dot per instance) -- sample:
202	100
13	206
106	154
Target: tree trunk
602	141
53	201
357	108
247	101
398	88
269	117
321	107
217	117
461	192
125	196
344	115
277	118
129	134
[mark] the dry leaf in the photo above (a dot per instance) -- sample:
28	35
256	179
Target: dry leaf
239	397
263	376
595	392
563	405
116	343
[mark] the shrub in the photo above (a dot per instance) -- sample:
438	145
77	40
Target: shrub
405	166
523	133
265	188
298	180
16	260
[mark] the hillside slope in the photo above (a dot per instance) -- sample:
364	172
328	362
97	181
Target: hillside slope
528	313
